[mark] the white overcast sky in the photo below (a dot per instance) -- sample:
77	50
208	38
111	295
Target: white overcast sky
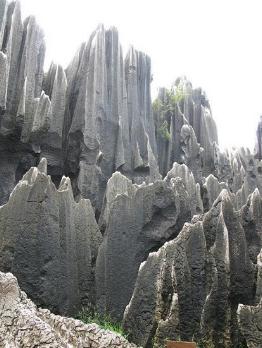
217	44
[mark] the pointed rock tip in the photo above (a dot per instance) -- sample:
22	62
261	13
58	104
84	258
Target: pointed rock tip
210	178
100	28
17	6
255	194
117	175
113	29
3	55
42	166
223	196
65	184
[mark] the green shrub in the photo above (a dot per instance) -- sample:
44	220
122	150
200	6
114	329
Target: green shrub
164	132
157	105
104	321
175	94
162	109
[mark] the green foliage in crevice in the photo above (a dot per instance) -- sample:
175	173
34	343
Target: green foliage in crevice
104	321
164	132
163	107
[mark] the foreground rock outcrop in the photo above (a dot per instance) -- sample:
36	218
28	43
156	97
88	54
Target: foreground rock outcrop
190	288
24	325
49	242
250	317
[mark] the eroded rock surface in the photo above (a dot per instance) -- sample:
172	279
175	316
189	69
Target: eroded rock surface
49	242
190	288
94	117
250	317
178	256
22	324
138	219
185	130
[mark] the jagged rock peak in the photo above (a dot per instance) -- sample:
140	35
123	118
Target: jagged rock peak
193	188
137	219
193	278
211	190
88	121
185	129
54	256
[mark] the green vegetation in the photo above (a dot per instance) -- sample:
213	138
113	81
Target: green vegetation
157	105
164	132
104	321
173	96
163	107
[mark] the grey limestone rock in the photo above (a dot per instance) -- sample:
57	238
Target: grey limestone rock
137	219
50	243
95	124
142	128
22	57
232	273
94	117
170	291
251	214
250	317
3	87
109	116
258	147
190	133
23	324
190	288
193	189
47	130
211	190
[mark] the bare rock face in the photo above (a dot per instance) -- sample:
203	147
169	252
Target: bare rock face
190	288
22	56
50	243
193	189
250	317
88	121
258	148
109	115
234	274
23	324
252	223
156	310
211	190
138	219
241	171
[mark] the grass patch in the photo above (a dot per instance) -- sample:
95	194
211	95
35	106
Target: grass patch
104	321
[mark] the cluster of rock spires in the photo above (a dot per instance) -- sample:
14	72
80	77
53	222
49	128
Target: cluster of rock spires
117	206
